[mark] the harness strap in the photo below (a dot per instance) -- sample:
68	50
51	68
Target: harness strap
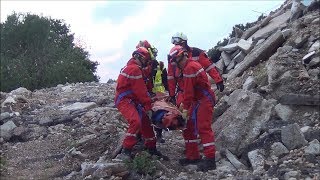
121	95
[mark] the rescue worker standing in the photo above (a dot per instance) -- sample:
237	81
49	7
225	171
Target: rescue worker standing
196	54
150	74
197	109
134	103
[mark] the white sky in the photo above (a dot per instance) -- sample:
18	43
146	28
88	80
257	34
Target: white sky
111	40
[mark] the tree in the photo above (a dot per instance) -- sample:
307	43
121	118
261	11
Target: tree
38	52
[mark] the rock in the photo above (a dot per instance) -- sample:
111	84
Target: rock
313	148
307	58
239	57
6	130
238	32
315	62
226	58
296	10
256	158
316	21
291	174
299	99
234	161
249	84
286	33
262	53
45	121
265	21
245	46
4	116
229	47
21	91
292	137
300	41
9	100
314	73
314	47
283	111
249	32
80	106
278	149
240	124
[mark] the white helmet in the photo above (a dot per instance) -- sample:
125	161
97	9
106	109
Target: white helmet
178	37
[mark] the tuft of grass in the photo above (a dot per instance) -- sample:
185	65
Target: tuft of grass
142	164
2	163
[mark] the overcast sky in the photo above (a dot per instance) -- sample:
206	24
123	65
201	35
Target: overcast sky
111	29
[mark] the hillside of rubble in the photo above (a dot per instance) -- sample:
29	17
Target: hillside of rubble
266	121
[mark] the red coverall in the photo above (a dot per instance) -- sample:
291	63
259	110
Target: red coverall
198	99
175	78
132	100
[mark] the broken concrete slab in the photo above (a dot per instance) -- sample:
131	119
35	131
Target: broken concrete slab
300	41
249	32
263	52
229	47
265	21
300	99
307	58
315	62
234	161
226	58
239	57
245	46
292	137
315	46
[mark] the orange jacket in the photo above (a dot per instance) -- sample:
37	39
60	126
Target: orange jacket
196	84
198	55
131	80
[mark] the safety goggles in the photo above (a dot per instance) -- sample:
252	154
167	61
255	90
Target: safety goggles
176	40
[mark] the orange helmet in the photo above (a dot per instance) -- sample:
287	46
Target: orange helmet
176	52
141	53
143	43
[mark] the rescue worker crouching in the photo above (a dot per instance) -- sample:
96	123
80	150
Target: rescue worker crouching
197	109
134	103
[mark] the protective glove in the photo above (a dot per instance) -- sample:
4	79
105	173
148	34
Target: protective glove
149	114
220	86
185	114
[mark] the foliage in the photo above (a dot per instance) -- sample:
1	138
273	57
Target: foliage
143	164
39	52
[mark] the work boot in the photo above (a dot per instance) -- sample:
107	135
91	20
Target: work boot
155	152
185	161
207	164
125	154
160	139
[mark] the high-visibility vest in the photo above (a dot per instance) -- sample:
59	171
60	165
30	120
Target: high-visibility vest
157	82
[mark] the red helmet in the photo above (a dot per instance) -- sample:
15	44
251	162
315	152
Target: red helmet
143	43
141	52
176	52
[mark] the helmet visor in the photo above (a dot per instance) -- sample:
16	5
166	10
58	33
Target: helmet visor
175	40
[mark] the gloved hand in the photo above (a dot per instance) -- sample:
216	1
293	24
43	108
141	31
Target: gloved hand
185	114
149	114
220	86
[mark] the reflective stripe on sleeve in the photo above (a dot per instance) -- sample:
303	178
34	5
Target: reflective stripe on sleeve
170	77
192	141
193	75
208	144
195	58
129	134
210	67
150	139
130	77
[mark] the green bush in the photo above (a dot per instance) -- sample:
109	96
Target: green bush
142	164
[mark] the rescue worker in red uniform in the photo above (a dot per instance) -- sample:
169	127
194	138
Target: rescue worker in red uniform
175	82
134	103
149	74
197	108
